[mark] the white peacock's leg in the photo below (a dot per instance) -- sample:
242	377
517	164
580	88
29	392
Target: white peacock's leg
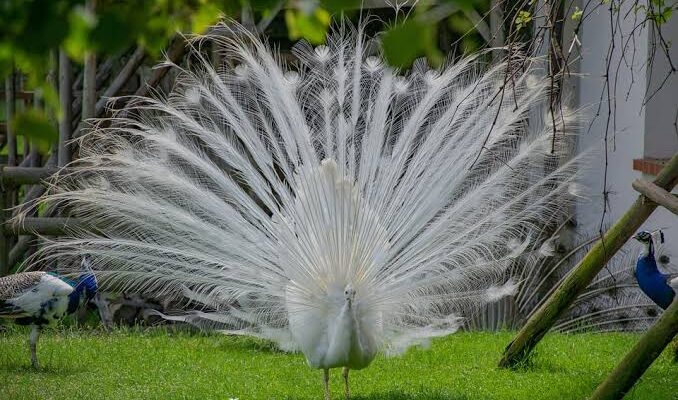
33	343
347	393
326	382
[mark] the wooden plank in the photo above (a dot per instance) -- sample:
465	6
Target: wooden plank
113	89
657	194
9	116
54	226
541	321
26	175
89	92
16	254
65	99
175	51
121	79
641	356
23	95
4	239
103	73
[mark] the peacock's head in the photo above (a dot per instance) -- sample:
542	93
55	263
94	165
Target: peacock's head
643	237
349	293
646	238
87	280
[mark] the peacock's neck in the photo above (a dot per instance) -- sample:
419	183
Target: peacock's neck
648	250
646	262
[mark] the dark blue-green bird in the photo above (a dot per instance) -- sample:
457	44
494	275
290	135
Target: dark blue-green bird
655	284
42	298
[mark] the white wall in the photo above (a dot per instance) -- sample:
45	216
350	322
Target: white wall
634	131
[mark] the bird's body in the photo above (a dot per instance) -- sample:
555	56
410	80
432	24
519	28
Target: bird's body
655	284
34	298
40	299
339	208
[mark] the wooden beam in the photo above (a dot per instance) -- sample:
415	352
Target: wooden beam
26	175
54	226
89	90
4	239
103	73
175	51
23	95
121	79
65	99
114	88
20	248
657	194
641	356
541	321
9	116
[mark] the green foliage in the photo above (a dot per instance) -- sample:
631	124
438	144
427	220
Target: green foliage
576	15
311	25
523	18
659	12
35	125
410	40
156	364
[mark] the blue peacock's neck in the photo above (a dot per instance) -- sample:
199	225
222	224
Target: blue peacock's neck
74	298
647	265
83	289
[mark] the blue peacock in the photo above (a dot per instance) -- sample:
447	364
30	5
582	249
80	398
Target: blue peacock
41	298
655	284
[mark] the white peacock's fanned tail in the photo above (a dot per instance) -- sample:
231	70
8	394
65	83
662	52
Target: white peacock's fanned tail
261	190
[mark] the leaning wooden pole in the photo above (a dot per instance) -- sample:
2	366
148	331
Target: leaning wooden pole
581	276
641	356
657	194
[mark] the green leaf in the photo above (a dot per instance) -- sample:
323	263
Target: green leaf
406	42
34	124
576	15
257	5
82	22
207	15
312	27
336	6
522	19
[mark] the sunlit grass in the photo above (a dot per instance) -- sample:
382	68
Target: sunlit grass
157	364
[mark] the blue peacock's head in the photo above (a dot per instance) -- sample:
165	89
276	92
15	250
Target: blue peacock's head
643	237
87	282
89	285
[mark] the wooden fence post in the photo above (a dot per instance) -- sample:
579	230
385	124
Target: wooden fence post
581	276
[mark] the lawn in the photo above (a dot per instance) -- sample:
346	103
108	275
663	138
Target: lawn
157	364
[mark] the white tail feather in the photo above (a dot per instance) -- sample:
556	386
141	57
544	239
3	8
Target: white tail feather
263	192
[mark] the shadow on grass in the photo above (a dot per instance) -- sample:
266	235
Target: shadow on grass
247	344
408	396
25	368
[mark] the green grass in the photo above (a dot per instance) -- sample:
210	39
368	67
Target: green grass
157	364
